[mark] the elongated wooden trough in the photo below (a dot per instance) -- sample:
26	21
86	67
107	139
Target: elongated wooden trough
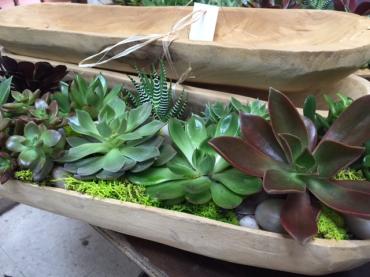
290	50
188	232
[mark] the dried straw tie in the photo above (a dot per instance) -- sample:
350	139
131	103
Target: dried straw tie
145	40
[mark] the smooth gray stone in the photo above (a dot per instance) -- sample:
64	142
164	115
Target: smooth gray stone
268	215
249	221
358	226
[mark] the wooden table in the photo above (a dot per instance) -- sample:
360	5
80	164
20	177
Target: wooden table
158	260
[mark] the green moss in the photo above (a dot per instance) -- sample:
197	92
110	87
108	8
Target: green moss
115	189
24	175
209	210
331	225
350	174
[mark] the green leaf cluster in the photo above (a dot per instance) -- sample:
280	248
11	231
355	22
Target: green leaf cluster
119	141
153	89
198	174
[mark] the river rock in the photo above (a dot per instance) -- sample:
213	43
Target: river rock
268	215
249	221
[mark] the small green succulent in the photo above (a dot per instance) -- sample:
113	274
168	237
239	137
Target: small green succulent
153	89
81	95
119	141
37	148
199	174
214	112
7	167
22	103
336	108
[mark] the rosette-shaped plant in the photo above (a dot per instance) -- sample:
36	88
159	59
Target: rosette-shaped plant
199	174
118	142
81	95
7	166
22	103
37	148
33	76
285	154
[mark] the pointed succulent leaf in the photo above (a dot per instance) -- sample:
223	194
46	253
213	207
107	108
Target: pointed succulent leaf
85	122
312	133
84	150
167	154
285	118
223	197
76	141
138	116
203	162
169	190
258	133
309	107
332	156
238	182
196	131
359	186
244	156
353	125
148	129
154	176
113	161
140	153
280	182
5	90
199	185
227	126
181	166
344	200
180	139
305	162
292	146
104	129
94	166
298	217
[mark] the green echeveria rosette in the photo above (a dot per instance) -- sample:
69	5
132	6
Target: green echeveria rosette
198	174
37	149
119	141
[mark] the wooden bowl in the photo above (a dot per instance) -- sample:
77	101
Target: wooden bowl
290	50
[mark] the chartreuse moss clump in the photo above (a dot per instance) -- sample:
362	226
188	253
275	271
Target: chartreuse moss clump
208	210
24	175
331	224
114	189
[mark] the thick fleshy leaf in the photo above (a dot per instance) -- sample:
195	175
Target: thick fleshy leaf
199	198
167	154
138	116
279	182
285	118
51	137
181	166
353	125
238	182
5	90
298	217
244	156
15	143
140	153
203	162
104	130
332	156
359	186
92	167
312	133
82	151
196	130
227	126
258	133
76	141
146	130
180	139
85	121
306	162
202	184
142	166
27	157
31	131
113	161
340	198
154	176
169	190
223	197
292	146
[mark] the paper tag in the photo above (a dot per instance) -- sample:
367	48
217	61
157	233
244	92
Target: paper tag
204	28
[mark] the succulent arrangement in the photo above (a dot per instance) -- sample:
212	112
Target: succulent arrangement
198	174
153	89
291	162
32	76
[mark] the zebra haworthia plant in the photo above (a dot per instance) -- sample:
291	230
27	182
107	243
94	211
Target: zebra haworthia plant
119	141
198	174
153	89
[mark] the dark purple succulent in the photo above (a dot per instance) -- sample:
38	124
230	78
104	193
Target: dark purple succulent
361	7
287	156
32	76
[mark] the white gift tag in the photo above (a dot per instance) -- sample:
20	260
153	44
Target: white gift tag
204	28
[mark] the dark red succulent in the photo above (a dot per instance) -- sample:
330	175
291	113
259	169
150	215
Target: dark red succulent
32	76
283	4
361	7
287	156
